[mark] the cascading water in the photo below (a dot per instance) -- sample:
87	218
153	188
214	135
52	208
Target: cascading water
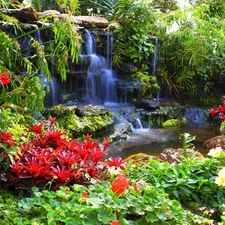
53	100
155	60
155	55
100	88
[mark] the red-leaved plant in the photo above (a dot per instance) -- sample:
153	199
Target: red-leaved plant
48	157
219	112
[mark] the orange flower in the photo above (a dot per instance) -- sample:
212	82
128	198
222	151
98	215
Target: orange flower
84	194
116	222
120	184
136	188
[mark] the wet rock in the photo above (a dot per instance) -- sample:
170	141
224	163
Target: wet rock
217	141
48	13
174	156
78	121
24	15
87	21
140	158
147	104
113	26
173	122
121	132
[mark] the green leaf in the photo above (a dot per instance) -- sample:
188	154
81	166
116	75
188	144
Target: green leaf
89	218
106	216
151	217
96	202
176	193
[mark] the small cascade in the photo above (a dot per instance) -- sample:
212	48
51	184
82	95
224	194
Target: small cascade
100	87
138	124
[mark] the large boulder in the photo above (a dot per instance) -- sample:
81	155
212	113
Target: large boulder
217	141
174	156
82	120
147	104
87	21
24	15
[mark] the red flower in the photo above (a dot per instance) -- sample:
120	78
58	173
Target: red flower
4	78
222	118
117	162
213	112
54	134
63	173
52	120
116	222
88	137
120	184
67	158
222	108
7	137
97	154
37	128
106	144
84	194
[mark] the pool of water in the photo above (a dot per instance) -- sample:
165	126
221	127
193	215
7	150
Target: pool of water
154	141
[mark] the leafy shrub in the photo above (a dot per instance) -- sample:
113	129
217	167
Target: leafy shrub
98	204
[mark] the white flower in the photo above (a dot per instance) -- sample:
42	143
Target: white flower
114	170
215	152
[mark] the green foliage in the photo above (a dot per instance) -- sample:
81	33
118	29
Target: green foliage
149	86
8	208
157	194
10	121
105	8
136	32
26	89
28	93
186	140
216	8
192	181
65	6
191	50
66	44
101	206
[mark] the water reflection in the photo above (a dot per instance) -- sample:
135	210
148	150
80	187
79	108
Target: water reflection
154	141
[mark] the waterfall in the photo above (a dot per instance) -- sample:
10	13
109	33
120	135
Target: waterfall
52	85
155	60
155	55
100	87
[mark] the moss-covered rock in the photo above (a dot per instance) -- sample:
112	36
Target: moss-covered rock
78	121
173	122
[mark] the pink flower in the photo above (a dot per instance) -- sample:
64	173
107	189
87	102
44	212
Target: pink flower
211	211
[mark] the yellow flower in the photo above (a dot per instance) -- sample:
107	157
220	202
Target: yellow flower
220	179
215	152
